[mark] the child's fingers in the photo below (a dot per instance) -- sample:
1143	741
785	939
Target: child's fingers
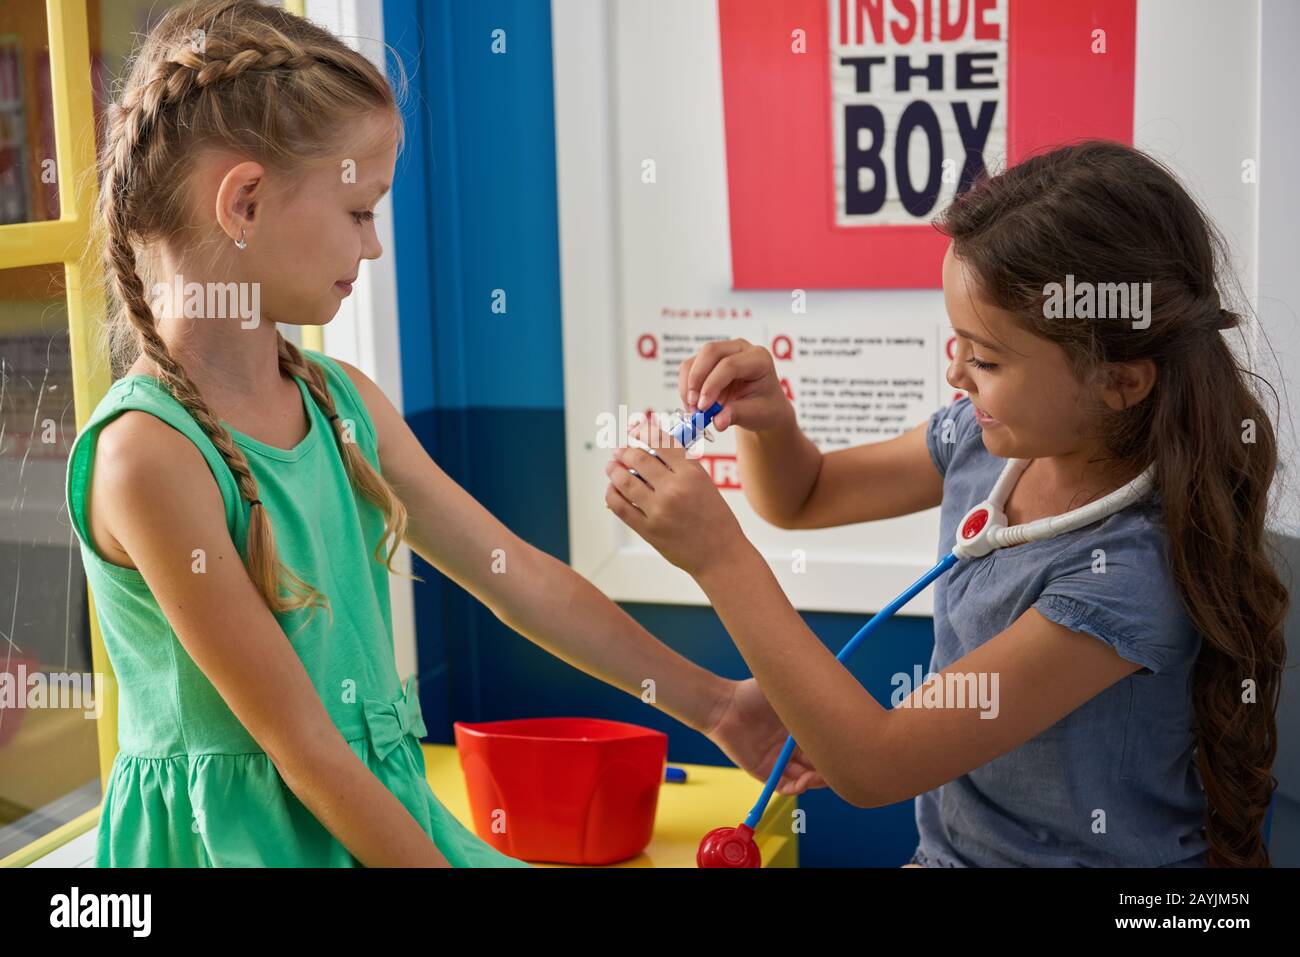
802	773
614	465
651	437
801	783
717	385
634	489
647	463
683	383
790	776
627	513
705	362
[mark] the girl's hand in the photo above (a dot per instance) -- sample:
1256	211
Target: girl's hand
751	735
742	377
674	505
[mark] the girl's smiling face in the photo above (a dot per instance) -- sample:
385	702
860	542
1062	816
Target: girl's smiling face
1028	401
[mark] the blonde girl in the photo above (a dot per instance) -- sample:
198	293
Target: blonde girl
239	500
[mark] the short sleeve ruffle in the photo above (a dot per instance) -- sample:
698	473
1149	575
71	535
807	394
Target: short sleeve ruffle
949	429
1124	596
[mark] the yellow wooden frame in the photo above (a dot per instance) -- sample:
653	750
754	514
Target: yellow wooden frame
64	241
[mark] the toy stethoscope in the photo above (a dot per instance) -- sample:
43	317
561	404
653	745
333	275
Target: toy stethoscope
982	530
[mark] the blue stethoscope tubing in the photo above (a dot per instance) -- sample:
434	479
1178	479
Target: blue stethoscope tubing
914	589
982	530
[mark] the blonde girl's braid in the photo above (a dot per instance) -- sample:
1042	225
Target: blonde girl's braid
361	474
232	88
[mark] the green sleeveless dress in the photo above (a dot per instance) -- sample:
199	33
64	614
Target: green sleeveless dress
189	786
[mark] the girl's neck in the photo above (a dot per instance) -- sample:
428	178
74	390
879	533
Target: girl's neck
231	358
1058	484
227	363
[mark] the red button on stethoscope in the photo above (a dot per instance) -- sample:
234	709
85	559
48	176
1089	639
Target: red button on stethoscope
974	523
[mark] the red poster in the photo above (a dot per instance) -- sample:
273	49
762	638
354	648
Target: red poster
850	124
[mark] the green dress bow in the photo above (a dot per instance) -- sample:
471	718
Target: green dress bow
389	721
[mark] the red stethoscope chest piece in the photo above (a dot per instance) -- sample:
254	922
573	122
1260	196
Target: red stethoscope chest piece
729	847
974	522
975	533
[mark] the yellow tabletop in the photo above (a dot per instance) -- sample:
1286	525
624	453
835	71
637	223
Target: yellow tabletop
711	797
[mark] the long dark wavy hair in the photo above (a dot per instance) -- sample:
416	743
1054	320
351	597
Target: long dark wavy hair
1105	212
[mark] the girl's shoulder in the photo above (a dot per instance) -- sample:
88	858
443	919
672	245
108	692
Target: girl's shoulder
1113	580
347	399
136	413
138	429
952	432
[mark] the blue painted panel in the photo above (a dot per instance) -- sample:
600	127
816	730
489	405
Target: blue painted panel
482	198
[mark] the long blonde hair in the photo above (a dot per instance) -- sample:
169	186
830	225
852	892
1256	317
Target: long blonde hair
253	79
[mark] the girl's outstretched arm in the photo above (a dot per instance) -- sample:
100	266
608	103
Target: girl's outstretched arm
1037	671
165	505
871	756
557	609
535	594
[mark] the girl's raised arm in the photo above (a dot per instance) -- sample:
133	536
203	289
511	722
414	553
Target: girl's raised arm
870	755
786	478
867	482
165	505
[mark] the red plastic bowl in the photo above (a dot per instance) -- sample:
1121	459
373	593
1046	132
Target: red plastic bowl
563	790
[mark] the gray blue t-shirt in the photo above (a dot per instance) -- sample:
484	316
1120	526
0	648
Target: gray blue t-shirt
1113	783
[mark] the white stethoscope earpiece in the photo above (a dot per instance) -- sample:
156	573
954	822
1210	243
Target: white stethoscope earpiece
984	528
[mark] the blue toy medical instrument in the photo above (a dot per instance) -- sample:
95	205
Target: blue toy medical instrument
688	430
982	529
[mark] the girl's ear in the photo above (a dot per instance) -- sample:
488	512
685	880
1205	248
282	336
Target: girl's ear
237	196
1125	384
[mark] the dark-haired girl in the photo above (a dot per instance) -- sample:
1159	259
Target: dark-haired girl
1138	659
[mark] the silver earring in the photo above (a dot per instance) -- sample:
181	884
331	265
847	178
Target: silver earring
241	242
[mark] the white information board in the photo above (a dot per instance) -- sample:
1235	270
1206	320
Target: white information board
647	279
